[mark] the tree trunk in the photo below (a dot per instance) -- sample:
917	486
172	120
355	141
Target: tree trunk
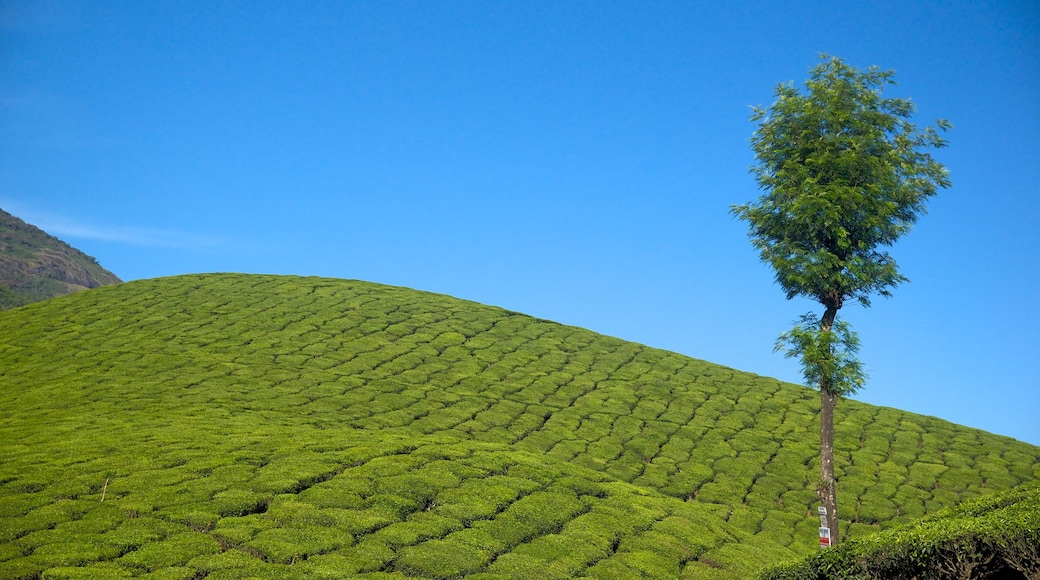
828	488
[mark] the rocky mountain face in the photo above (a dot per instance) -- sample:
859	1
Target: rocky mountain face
35	265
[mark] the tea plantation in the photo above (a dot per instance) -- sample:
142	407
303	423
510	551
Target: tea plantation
242	426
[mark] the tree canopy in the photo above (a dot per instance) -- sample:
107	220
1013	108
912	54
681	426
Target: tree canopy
845	173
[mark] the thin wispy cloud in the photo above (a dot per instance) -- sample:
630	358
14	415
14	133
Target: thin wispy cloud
137	236
66	228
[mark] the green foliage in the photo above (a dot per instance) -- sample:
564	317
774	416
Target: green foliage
441	559
176	550
827	356
528	449
997	536
845	172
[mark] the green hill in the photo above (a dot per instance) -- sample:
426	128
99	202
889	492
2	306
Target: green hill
36	266
228	426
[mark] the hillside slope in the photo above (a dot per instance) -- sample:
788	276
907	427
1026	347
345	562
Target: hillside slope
35	265
238	425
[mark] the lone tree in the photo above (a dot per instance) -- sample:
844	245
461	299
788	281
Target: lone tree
845	174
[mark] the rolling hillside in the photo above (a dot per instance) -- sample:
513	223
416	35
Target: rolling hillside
35	265
227	426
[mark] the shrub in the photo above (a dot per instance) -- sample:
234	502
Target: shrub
136	532
418	528
910	500
605	450
747	519
646	445
367	556
650	564
875	508
694	531
440	559
601	527
781	525
474	500
175	550
103	573
688	480
82	550
988	537
562	553
767	492
513	565
288	544
535	514
721	492
656	475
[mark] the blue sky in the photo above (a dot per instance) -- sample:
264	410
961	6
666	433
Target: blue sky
571	160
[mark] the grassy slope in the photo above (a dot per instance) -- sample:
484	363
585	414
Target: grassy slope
271	426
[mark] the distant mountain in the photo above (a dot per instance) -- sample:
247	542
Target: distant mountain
35	265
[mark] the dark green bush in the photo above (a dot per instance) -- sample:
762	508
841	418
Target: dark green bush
988	537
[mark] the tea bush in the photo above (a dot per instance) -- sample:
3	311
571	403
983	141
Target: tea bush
996	536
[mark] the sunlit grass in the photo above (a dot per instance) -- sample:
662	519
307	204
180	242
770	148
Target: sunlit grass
301	427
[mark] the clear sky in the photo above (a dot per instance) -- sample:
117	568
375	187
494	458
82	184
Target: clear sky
571	160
